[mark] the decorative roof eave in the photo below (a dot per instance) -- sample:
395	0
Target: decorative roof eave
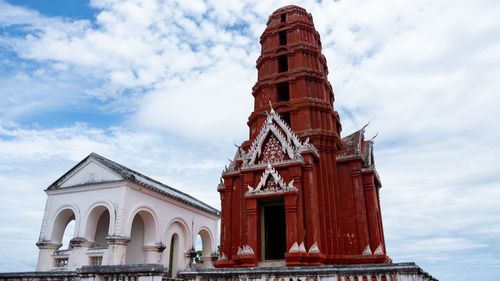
280	163
221	185
227	172
367	154
308	148
267	192
359	153
94	184
350	157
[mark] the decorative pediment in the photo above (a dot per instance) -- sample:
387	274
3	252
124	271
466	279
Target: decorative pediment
275	143
270	182
88	172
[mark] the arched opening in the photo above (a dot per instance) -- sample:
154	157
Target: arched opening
63	228
97	226
69	233
142	232
102	231
135	248
178	242
198	259
206	242
173	259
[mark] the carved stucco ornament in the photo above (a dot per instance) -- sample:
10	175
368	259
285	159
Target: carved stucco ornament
302	248
379	250
294	248
367	250
245	250
222	257
314	248
277	180
289	143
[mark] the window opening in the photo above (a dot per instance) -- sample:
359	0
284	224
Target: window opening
282	35
96	260
283	63
283	91
62	262
286	117
283	17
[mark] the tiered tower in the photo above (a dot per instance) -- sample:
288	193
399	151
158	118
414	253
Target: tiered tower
295	191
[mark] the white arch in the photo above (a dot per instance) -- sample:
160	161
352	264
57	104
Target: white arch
207	239
60	220
185	229
176	226
149	219
92	216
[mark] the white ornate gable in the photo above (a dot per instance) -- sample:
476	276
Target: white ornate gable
271	182
91	171
282	144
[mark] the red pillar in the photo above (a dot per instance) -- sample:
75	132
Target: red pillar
372	209
360	206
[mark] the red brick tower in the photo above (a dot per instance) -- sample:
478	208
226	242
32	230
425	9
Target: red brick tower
295	190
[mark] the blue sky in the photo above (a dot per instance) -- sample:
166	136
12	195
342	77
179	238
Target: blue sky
164	87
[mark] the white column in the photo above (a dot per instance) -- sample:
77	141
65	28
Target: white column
45	260
78	257
153	252
117	250
208	261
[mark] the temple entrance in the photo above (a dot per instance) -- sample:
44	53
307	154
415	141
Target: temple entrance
273	229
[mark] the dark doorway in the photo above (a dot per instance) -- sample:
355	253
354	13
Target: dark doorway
274	230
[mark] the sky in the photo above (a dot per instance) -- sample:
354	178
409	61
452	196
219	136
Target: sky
164	88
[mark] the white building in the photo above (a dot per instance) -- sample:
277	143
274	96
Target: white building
122	217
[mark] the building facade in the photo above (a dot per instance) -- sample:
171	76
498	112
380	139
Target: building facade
122	217
295	192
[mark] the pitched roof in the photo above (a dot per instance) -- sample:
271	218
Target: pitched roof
142	180
355	145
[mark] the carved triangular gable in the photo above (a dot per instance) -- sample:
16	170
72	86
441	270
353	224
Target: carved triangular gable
289	143
270	175
90	171
269	128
